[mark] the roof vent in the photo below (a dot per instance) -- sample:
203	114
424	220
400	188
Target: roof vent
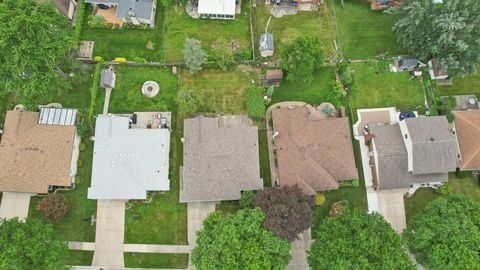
471	101
432	139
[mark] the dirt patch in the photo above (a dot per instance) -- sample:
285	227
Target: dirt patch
150	45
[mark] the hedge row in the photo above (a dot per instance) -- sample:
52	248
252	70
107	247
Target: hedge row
94	90
79	23
255	102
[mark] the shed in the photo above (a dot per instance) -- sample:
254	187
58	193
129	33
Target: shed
436	71
107	77
406	63
266	46
272	77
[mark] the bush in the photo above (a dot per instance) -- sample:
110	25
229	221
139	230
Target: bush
270	91
80	163
98	58
445	189
79	22
120	59
83	147
356	183
83	130
54	207
319	199
247	198
255	102
462	174
139	59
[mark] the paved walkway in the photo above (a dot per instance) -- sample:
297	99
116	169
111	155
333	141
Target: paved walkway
106	103
169	249
299	251
109	234
197	212
15	204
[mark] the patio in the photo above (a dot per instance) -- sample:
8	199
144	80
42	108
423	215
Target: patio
109	14
152	120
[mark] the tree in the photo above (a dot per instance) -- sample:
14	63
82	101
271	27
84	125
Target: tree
223	54
54	206
30	245
34	38
448	32
288	210
188	100
194	55
336	93
238	241
357	240
446	235
302	58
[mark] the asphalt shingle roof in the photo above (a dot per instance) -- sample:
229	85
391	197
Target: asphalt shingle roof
142	9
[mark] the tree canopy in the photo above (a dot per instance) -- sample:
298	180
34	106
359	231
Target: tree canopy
302	58
446	235
288	210
238	241
448	32
194	55
30	245
357	240
188	100
34	39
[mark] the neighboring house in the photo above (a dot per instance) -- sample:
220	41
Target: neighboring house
467	125
108	77
465	102
316	154
67	8
217	9
411	151
384	4
134	12
266	45
436	71
38	151
272	77
220	159
406	63
131	156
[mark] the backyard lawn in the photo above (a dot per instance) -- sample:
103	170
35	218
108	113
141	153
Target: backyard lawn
365	33
155	260
385	89
179	26
287	28
470	84
128	43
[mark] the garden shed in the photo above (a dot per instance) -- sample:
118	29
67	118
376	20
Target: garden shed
266	46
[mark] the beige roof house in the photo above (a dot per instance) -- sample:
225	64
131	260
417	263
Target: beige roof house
467	124
34	155
314	153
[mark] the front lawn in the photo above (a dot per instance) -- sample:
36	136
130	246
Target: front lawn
179	26
79	257
385	89
365	33
155	260
127	43
288	28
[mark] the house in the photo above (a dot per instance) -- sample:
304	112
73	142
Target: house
67	8
39	151
217	9
220	159
272	77
467	126
384	4
411	151
313	152
131	156
436	71
134	12
266	45
108	77
406	63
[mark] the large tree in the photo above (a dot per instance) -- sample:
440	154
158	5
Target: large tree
302	58
448	32
30	245
238	241
288	210
446	235
34	39
194	55
357	240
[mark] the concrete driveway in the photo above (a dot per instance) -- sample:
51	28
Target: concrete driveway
390	205
15	204
197	212
109	235
299	251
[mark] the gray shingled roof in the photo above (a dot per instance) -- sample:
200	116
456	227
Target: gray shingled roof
407	61
220	159
392	160
266	42
433	143
142	9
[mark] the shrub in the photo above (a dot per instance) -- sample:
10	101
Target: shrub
83	147
247	198
356	183
462	174
54	207
79	22
94	90
139	59
319	199
83	130
445	189
98	58
255	102
80	163
270	91
120	59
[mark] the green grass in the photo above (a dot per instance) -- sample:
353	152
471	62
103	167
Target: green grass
287	28
153	260
470	84
128	43
365	33
79	257
179	26
313	93
223	91
264	159
385	89
75	226
467	186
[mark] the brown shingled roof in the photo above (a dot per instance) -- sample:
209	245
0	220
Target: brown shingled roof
315	154
467	124
34	156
